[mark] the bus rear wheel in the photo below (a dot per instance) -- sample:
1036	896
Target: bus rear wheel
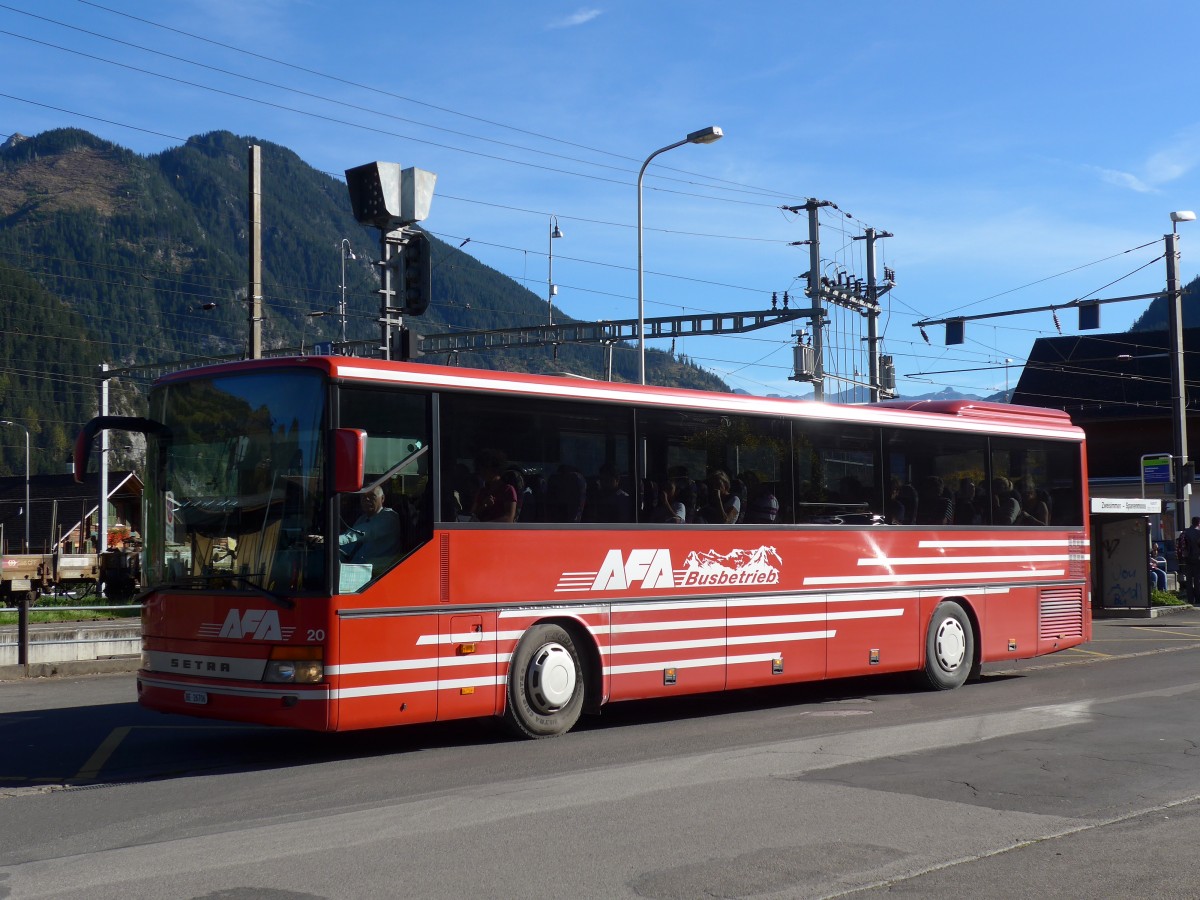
949	647
545	684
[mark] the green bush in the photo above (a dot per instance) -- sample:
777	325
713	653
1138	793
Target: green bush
1166	598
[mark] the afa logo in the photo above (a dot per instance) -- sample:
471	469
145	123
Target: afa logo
653	569
650	567
254	624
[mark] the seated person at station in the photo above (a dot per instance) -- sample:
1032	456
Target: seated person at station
1158	568
375	535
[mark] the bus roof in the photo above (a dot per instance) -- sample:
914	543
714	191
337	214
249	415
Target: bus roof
958	415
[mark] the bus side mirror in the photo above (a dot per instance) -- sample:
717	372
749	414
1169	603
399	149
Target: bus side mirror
137	424
349	459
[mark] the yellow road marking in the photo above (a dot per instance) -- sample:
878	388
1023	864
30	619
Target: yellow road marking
1188	634
92	767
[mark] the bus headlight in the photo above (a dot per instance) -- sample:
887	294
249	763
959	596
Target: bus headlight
295	665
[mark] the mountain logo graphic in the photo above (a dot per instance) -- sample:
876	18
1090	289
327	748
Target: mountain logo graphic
758	566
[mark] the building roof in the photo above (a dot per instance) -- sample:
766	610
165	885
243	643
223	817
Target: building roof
1101	377
59	503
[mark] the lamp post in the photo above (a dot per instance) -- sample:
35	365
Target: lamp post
18	425
1179	449
703	136
344	251
552	288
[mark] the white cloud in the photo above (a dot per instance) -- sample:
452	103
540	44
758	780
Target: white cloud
1123	179
1161	167
579	17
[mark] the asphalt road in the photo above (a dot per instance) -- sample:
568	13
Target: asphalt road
1076	775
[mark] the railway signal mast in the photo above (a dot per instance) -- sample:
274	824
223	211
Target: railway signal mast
393	200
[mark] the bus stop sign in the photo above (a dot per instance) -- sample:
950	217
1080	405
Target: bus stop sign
1156	468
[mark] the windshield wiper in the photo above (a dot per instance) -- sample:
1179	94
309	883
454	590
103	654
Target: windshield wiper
259	589
200	581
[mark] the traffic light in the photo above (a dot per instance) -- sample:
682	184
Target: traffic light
417	284
1185	471
409	344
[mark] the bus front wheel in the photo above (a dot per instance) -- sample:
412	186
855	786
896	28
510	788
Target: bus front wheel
949	647
545	684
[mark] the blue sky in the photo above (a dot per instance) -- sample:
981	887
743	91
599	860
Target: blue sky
1018	152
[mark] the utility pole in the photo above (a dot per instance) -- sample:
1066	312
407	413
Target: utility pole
254	289
102	511
873	313
810	359
1181	471
814	290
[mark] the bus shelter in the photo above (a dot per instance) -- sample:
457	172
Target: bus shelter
1121	553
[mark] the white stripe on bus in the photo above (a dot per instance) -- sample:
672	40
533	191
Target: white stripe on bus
708	662
1017	543
925	576
736	641
380	690
430	662
957	560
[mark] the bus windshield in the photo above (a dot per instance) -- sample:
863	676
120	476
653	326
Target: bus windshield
235	488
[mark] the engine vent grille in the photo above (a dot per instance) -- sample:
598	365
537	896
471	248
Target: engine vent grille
1060	613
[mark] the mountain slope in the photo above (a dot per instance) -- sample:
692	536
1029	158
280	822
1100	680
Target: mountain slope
145	260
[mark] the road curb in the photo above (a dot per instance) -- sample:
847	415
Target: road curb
1152	612
72	668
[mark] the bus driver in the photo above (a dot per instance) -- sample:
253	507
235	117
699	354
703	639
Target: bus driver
375	535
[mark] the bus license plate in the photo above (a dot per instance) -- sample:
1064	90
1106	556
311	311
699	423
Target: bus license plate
198	697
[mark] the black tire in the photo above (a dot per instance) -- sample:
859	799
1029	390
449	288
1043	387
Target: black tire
545	684
949	647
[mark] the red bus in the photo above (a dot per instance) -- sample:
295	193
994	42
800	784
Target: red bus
549	545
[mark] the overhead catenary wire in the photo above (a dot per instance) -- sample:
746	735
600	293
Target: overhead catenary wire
117	12
426	104
364	127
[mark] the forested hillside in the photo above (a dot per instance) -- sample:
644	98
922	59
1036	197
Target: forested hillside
108	256
1155	316
48	378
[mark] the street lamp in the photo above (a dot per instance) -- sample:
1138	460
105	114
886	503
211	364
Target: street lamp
344	251
552	289
703	136
18	425
1179	449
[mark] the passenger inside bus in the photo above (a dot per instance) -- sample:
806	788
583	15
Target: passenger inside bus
933	506
496	500
566	494
1006	508
609	502
1034	509
722	506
